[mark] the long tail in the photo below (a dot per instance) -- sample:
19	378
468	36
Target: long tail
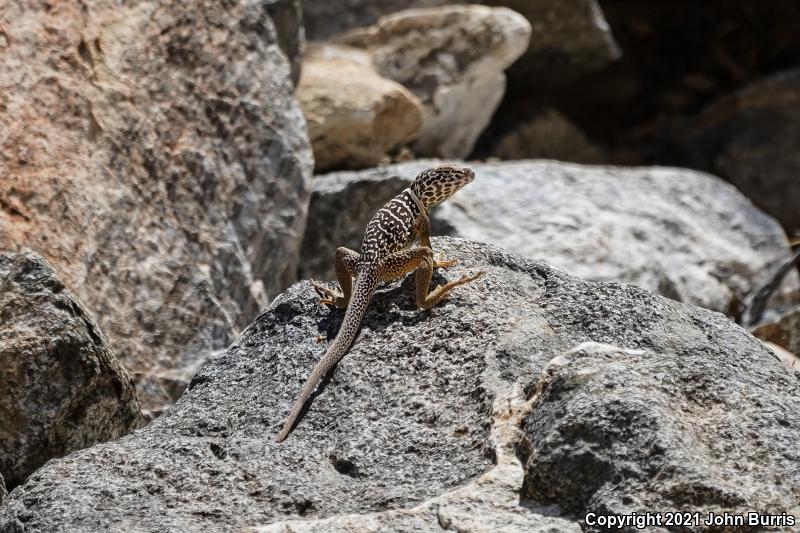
362	293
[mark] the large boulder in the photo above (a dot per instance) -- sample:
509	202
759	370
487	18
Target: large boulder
61	386
355	116
569	38
154	154
751	138
677	232
452	58
452	418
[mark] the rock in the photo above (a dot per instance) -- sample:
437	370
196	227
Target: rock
156	157
783	331
355	116
548	135
3	492
750	138
61	386
452	58
630	430
324	19
569	39
449	418
287	17
678	232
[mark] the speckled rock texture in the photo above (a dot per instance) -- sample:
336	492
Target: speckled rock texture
3	492
751	138
61	386
681	233
664	425
154	154
452	58
355	116
451	417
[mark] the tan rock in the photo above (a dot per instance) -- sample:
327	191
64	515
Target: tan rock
154	154
355	116
452	58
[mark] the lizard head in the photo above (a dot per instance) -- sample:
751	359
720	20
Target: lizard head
435	185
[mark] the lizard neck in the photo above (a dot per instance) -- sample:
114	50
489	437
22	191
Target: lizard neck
414	198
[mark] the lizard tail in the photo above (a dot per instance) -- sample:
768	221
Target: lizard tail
362	293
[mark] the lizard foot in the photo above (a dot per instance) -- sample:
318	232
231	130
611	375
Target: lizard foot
328	296
467	278
441	262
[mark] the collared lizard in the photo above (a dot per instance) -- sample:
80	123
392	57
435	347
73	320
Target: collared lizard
387	254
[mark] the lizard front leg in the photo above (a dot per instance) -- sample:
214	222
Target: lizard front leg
423	229
346	270
420	260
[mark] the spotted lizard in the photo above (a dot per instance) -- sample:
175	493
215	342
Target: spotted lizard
387	254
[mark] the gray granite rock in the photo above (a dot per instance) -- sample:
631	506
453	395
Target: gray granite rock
163	166
684	234
449	418
61	386
665	426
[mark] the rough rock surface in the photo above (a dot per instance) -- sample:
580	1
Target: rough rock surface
355	116
751	139
61	386
155	155
422	422
677	232
452	58
3	492
664	425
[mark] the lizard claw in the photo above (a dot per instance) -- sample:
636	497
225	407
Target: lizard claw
441	262
328	296
467	278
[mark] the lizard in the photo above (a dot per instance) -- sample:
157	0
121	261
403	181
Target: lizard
386	254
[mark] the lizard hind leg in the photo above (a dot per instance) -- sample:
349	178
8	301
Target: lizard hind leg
346	270
420	260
